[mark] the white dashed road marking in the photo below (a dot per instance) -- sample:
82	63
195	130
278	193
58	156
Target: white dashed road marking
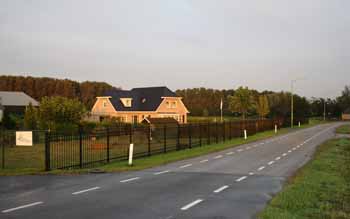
278	158
251	173
85	190
261	168
271	162
230	153
241	179
184	166
192	204
284	154
221	189
203	161
160	173
129	180
21	207
218	157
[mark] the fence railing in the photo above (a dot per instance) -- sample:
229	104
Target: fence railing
53	150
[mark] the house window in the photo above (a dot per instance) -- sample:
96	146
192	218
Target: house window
104	103
126	101
168	104
173	104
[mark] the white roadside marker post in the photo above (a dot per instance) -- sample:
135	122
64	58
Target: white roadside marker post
131	153
299	124
276	128
245	134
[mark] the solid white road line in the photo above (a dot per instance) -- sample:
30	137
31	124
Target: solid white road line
241	179
129	180
203	161
230	153
261	168
191	205
184	166
221	189
218	157
21	207
160	173
271	162
85	190
278	158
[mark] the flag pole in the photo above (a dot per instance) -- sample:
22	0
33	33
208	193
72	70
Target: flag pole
221	105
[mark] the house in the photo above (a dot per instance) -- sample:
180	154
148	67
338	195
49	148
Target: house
133	106
15	102
346	115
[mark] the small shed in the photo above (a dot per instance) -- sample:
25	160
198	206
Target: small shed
346	115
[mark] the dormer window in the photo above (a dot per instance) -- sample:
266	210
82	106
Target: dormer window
127	102
168	104
104	103
173	104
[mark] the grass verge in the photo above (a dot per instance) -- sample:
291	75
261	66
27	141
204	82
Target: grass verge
161	159
345	129
320	189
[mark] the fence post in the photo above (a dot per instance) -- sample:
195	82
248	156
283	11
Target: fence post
130	134
80	148
208	139
149	140
2	141
200	135
164	132
189	136
224	131
47	151
108	158
230	131
216	133
178	138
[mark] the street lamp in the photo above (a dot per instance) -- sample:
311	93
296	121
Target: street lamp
324	110
292	101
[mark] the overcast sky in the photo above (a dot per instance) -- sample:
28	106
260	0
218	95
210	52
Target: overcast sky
221	44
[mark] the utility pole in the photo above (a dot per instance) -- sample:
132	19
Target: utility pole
292	104
324	110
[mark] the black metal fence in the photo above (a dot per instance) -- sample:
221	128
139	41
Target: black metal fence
54	150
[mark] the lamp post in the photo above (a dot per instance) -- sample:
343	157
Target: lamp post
324	110
292	100
292	103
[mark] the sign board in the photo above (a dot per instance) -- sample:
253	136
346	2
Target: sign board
24	138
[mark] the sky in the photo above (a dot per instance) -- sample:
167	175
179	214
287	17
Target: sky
220	44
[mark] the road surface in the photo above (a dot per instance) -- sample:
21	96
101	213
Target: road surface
235	183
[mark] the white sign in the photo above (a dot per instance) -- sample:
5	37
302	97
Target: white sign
24	138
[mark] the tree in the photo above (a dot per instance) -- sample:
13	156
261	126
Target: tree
262	106
30	118
344	99
58	113
242	101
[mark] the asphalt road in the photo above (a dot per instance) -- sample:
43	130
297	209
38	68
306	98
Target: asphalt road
235	183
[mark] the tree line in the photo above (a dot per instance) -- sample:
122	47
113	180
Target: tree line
40	87
247	102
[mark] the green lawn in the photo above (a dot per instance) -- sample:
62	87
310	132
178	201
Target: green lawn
321	189
345	129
